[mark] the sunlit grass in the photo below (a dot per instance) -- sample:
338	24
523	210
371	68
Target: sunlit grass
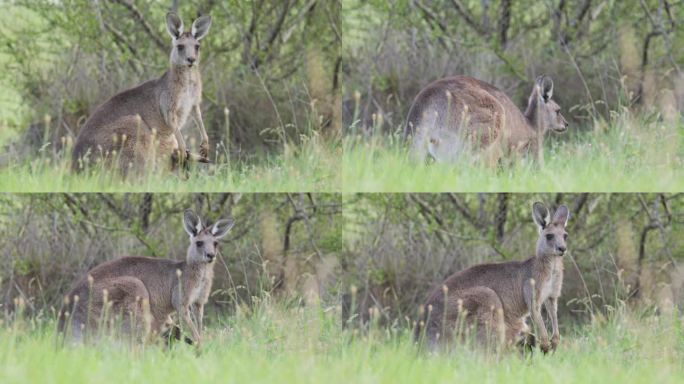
626	155
308	344
310	166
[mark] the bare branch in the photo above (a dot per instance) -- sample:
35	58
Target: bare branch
138	16
468	17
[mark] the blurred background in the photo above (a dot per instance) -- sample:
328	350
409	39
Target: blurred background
349	252
604	56
622	247
270	68
280	244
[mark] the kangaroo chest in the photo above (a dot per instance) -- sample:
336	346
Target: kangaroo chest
182	95
551	286
184	104
198	291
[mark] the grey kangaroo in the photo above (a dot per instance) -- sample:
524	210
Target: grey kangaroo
142	124
461	113
498	297
144	292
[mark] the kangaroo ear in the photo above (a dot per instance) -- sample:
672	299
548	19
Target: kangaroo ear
561	216
174	25
200	27
544	86
540	215
222	227
191	223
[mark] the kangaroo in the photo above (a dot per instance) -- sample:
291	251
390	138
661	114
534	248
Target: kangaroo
498	297
150	289
141	124
456	114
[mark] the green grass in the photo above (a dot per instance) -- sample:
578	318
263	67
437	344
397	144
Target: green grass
627	155
311	166
302	344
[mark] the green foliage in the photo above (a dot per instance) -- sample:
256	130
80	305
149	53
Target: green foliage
394	49
399	246
50	240
64	59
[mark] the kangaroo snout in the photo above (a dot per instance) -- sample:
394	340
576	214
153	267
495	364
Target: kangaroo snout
563	127
210	257
191	61
561	250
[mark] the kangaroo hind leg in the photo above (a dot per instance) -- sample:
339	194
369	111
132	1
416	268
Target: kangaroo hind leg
122	304
478	314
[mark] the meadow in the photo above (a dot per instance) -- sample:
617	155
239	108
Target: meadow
621	90
275	342
626	154
309	166
269	110
260	328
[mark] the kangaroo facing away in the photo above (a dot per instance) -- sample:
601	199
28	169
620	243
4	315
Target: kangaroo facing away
144	292
498	297
142	124
457	114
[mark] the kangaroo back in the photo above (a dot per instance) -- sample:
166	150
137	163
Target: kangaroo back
454	115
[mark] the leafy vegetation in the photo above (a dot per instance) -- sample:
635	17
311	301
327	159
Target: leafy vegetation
269	89
324	287
616	68
622	247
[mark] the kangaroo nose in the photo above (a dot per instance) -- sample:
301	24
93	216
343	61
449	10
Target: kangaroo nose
561	250
210	256
191	60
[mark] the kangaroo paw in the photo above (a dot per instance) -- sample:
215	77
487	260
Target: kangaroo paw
204	150
174	334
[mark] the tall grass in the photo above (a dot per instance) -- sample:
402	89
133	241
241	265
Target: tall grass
308	166
627	154
272	342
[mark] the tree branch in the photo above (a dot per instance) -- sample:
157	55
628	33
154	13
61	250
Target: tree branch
138	16
468	17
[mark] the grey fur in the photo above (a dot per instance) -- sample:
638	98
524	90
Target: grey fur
139	126
498	297
461	113
147	291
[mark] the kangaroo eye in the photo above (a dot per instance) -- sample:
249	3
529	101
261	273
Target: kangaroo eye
196	47
215	244
549	236
565	237
199	244
180	47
